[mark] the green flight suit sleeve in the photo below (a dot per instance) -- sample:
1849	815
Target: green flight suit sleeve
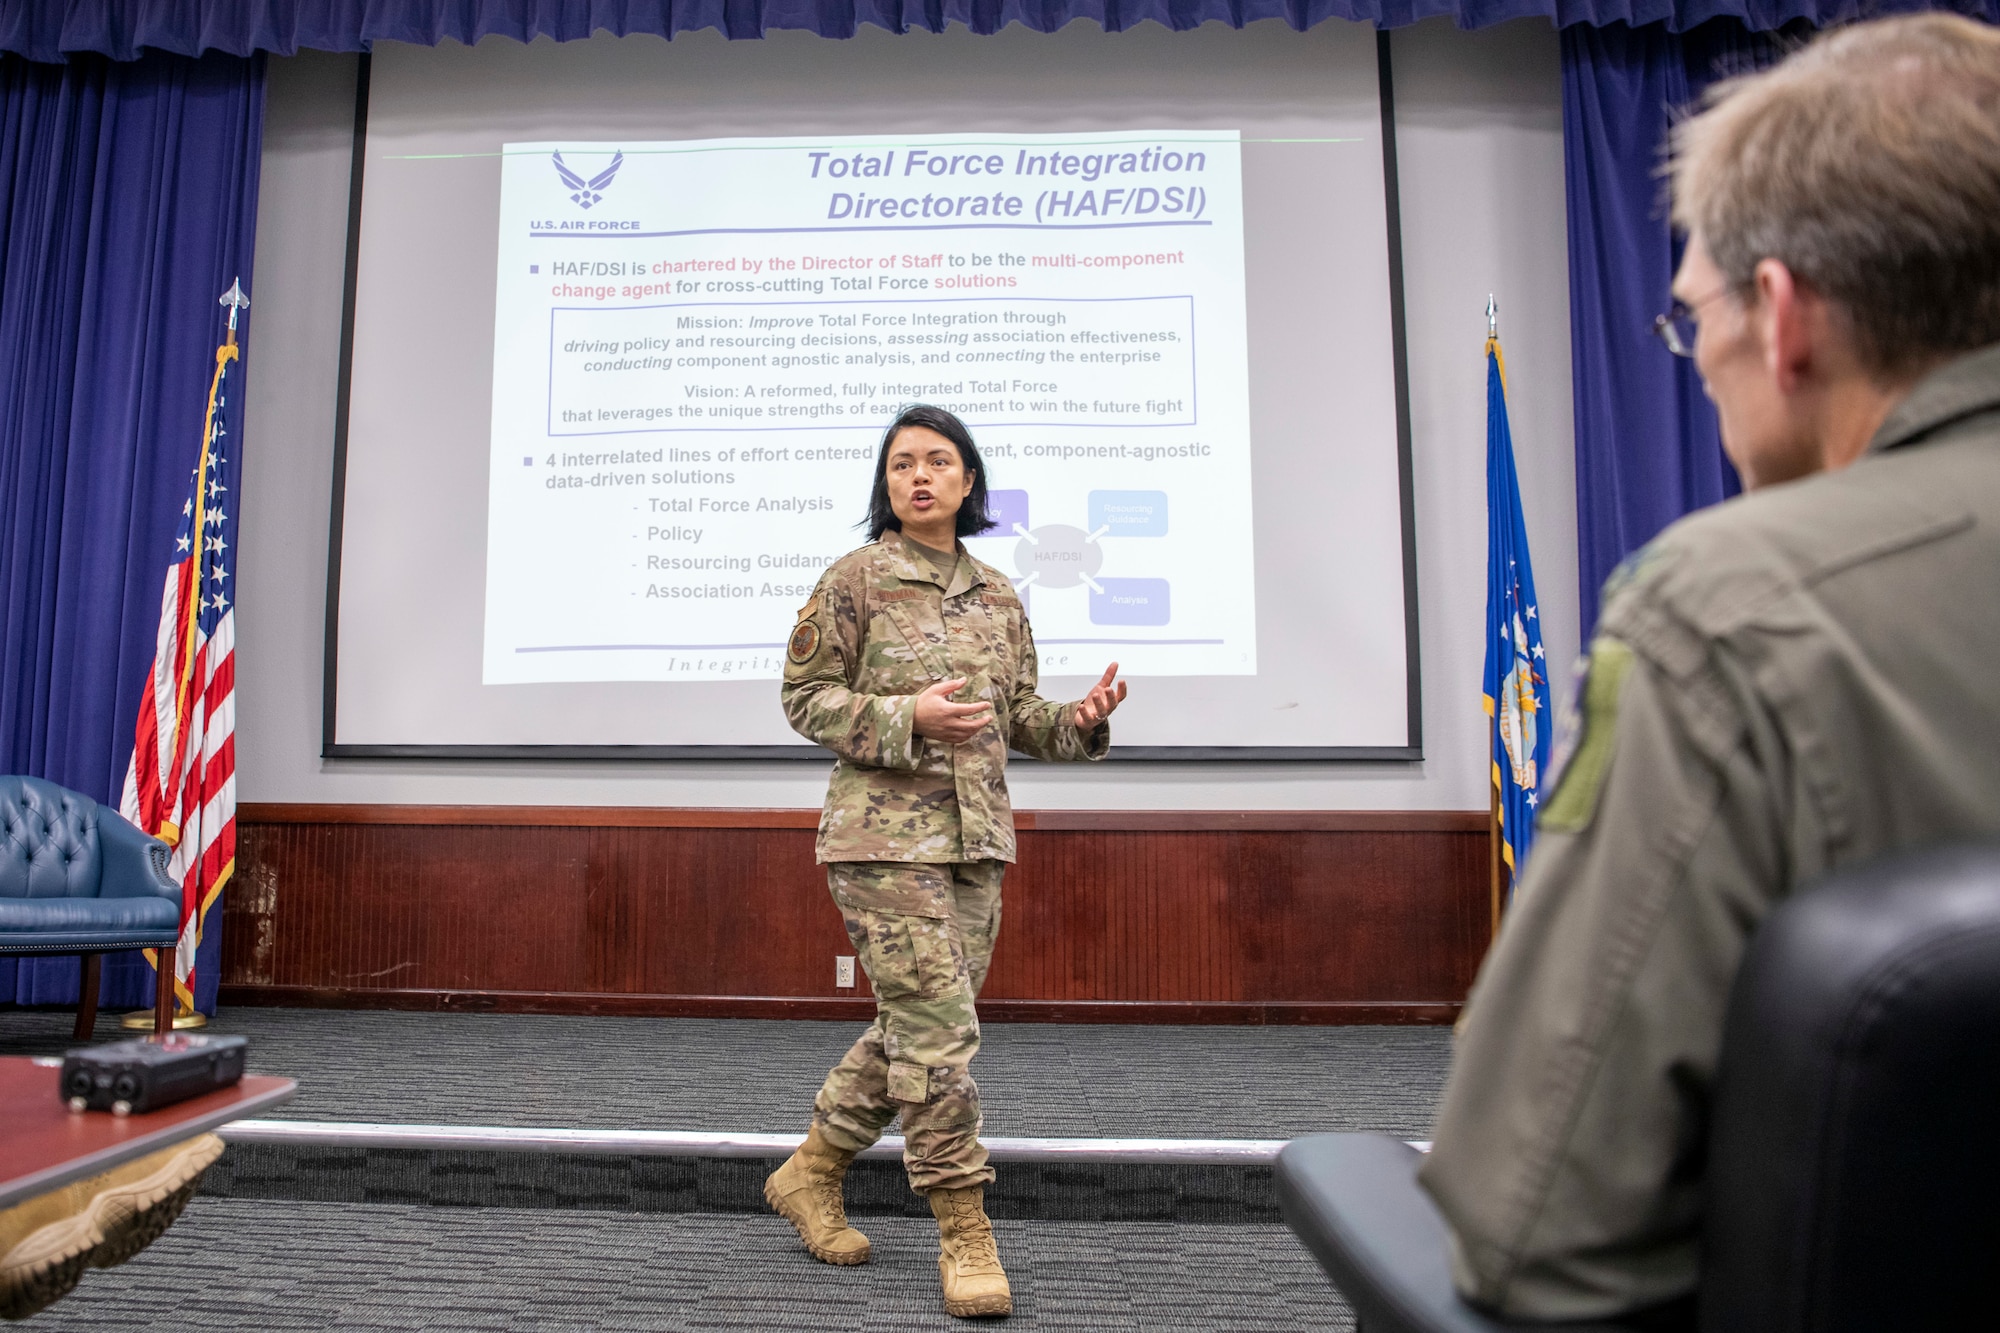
1041	728
822	657
1569	1143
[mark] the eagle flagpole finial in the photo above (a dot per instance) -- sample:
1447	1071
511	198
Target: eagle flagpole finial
236	301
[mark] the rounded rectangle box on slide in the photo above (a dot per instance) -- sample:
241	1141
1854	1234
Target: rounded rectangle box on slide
1130	602
1128	513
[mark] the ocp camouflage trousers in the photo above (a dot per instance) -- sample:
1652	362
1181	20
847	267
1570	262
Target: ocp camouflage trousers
924	934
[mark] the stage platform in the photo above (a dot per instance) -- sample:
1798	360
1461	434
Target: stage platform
1193	1224
759	1076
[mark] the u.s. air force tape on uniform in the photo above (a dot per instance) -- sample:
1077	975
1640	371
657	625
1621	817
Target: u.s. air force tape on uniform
805	635
1584	753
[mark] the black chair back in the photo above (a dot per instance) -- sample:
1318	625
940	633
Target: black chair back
1854	1160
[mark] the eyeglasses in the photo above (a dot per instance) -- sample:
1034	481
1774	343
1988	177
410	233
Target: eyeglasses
1678	326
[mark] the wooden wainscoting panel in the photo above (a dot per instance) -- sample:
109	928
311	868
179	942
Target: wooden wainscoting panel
1211	917
539	816
1235	917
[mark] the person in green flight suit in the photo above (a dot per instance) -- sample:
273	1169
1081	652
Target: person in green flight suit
1794	681
914	664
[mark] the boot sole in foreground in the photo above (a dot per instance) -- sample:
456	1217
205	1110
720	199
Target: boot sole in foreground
823	1255
150	1223
115	1225
31	1285
134	1215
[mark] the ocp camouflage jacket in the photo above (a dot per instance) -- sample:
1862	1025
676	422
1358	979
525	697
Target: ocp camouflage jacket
878	630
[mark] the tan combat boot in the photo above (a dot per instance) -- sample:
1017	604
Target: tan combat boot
968	1260
136	1203
805	1191
46	1243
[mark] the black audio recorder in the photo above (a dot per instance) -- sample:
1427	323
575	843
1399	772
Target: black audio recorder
147	1073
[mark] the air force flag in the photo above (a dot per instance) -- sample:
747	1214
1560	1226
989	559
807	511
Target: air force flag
1517	686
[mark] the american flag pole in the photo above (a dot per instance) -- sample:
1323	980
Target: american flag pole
181	784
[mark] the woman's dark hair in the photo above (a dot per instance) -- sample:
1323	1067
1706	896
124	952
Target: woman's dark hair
972	516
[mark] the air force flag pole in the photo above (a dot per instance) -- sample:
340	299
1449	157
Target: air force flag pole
1516	681
181	785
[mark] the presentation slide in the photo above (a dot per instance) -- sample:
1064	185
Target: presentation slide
631	316
696	345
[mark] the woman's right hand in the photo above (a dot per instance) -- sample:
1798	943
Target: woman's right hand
942	720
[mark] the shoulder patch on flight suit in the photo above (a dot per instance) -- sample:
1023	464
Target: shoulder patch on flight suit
1649	559
1584	752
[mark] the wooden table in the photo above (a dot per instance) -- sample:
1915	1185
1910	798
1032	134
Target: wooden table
43	1144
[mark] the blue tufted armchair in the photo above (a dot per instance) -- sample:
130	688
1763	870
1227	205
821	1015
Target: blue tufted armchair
76	878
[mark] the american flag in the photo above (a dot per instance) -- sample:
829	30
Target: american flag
181	786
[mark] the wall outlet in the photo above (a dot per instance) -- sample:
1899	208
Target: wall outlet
843	970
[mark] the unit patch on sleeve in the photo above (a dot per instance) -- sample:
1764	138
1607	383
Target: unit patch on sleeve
1585	751
805	635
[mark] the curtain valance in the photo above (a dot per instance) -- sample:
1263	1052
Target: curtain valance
51	30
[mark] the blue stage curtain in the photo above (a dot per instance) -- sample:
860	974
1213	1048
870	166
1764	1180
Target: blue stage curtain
1647	448
51	29
128	197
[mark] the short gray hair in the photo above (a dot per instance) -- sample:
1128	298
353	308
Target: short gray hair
1868	163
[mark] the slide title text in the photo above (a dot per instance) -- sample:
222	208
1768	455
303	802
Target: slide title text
972	171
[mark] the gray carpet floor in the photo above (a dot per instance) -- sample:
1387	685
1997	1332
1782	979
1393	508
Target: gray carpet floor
280	1267
760	1076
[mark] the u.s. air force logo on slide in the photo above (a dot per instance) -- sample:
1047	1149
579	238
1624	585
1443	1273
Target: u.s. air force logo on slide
583	192
805	635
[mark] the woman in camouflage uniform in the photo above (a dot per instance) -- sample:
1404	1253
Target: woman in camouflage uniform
913	663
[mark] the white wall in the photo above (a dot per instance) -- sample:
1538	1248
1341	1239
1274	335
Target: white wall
1479	135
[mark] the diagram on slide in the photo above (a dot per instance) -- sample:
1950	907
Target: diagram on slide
1056	556
698	345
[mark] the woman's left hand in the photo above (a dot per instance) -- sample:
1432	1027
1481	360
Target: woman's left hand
1103	697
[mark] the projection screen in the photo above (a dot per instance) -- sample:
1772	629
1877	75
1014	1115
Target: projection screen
628	318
